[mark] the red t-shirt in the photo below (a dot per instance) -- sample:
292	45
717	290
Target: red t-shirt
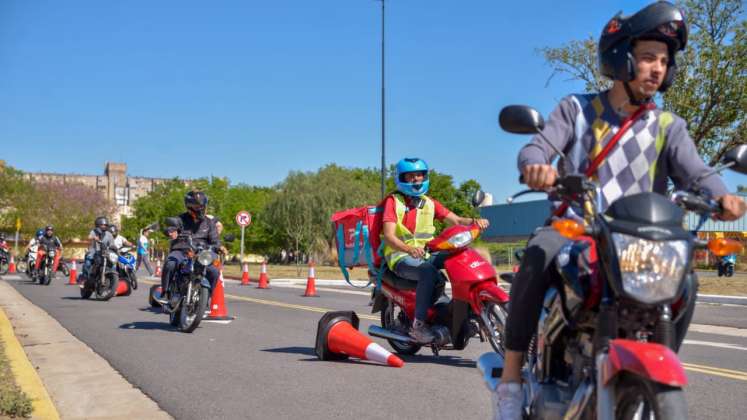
390	212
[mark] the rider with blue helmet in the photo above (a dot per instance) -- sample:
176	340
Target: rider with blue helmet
407	227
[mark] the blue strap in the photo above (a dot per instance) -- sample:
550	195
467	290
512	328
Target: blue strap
341	253
356	240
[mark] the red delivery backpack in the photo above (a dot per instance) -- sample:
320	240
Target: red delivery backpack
357	234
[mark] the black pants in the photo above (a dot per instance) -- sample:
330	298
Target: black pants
532	281
173	261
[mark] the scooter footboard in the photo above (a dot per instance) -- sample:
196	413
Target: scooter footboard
648	360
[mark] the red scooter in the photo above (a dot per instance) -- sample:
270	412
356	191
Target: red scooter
477	305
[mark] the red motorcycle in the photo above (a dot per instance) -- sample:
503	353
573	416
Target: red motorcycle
47	262
477	306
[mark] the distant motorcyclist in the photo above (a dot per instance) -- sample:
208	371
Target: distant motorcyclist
31	249
49	241
201	230
99	234
119	240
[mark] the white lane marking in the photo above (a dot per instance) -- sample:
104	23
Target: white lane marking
715	344
718	330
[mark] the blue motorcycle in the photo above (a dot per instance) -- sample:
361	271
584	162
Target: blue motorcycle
126	267
726	265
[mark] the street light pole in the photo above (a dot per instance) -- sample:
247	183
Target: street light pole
383	109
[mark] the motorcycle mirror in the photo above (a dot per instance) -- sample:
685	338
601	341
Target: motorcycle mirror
477	198
173	222
229	238
736	159
521	119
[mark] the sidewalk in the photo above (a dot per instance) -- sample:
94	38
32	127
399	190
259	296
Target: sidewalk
69	370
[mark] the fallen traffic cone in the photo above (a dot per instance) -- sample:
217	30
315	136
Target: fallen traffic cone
12	265
123	288
158	268
311	282
73	274
264	281
245	275
218	310
337	337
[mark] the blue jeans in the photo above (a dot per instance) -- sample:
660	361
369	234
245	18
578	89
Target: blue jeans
426	273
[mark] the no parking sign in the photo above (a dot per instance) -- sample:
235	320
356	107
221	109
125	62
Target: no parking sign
244	219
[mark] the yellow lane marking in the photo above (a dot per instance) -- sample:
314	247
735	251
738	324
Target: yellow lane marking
726	373
24	373
283	304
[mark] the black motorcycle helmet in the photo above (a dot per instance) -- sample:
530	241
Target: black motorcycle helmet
660	21
49	231
101	223
196	202
114	230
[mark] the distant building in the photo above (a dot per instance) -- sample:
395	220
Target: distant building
515	222
121	189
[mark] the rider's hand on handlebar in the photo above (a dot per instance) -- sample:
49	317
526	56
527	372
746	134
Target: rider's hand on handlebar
539	177
481	223
733	207
416	252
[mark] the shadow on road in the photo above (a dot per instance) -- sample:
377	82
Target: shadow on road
147	325
308	351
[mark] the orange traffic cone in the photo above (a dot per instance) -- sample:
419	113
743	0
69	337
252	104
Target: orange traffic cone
123	288
245	275
337	337
73	274
12	265
218	310
264	281
311	282
158	268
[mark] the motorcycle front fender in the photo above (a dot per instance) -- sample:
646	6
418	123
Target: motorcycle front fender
205	283
487	291
648	360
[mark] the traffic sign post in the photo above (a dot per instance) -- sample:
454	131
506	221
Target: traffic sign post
243	219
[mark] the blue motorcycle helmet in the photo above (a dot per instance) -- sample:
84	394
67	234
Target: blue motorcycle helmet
40	233
408	165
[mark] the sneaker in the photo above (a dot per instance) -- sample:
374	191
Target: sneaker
421	332
508	401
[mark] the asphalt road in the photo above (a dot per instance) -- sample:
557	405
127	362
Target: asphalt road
262	365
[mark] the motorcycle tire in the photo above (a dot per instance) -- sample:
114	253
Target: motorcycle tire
85	291
65	270
48	278
720	270
151	296
174	317
495	331
190	319
388	322
638	398
4	268
21	266
133	281
109	290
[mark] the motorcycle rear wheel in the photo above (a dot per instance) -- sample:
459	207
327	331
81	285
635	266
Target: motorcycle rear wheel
638	398
494	331
191	315
391	322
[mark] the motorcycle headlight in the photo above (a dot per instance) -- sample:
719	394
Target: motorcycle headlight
461	239
113	257
651	270
205	258
51	253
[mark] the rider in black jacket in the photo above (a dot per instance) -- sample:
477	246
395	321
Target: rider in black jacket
201	230
49	241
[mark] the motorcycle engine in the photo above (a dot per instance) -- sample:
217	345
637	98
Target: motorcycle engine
442	334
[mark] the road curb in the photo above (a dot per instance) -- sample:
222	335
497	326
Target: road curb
24	373
70	370
722	299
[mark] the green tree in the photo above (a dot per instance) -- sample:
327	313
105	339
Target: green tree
710	91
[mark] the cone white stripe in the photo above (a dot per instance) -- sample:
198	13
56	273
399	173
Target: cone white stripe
376	353
312	274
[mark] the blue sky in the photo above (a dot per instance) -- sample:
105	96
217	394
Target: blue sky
253	89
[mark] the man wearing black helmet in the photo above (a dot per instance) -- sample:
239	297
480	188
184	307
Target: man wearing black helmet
50	241
638	53
100	233
201	230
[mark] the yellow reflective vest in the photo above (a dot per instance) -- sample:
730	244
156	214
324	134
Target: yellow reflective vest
424	229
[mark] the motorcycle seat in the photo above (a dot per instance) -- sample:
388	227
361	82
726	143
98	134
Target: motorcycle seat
397	282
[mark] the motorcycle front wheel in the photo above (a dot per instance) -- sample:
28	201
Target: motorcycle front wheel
395	319
494	325
191	315
108	288
638	398
3	268
133	280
